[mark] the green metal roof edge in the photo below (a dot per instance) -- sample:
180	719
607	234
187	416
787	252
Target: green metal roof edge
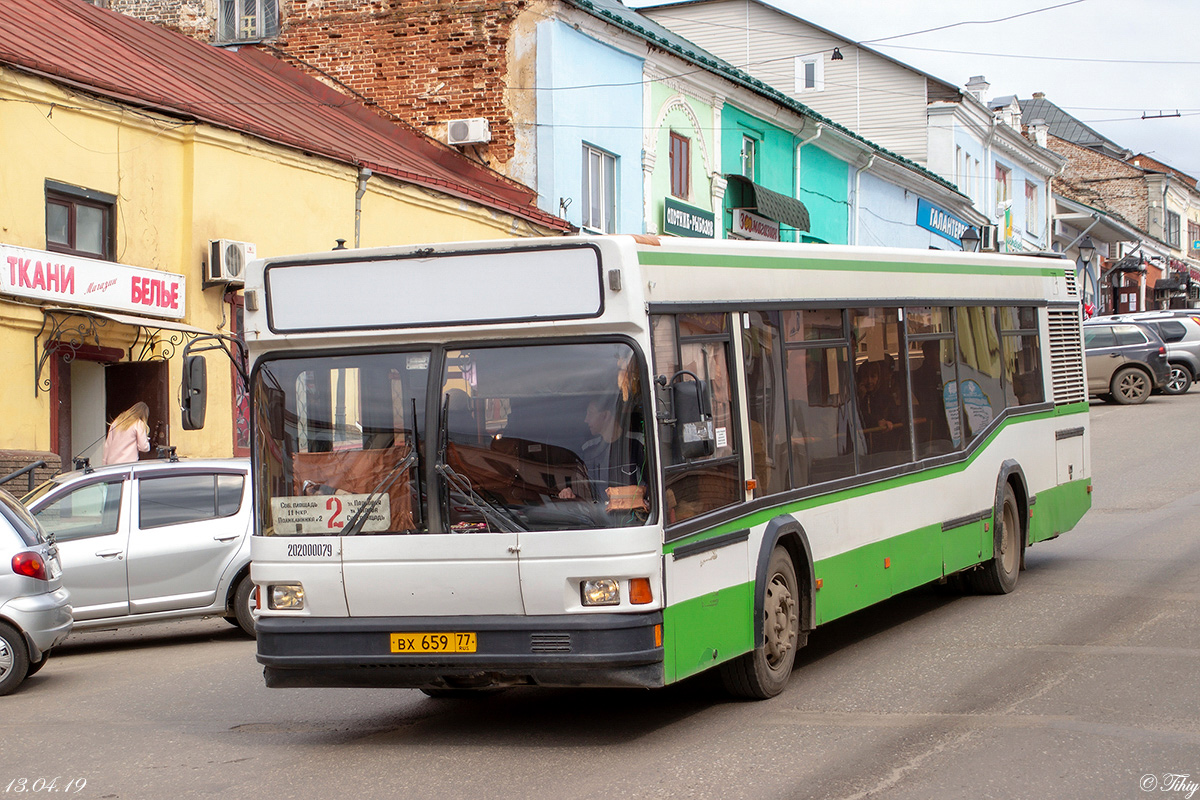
711	62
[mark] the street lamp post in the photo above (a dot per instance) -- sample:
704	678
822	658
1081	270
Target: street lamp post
970	240
1087	251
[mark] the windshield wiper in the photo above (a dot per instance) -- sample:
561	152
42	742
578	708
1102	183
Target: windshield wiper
364	511
496	515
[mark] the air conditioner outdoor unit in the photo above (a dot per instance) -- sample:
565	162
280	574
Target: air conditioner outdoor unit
468	131
987	237
227	261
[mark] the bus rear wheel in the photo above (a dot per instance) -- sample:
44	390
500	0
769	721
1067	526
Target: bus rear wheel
764	671
999	576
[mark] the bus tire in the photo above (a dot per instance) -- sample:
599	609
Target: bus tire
999	575
764	671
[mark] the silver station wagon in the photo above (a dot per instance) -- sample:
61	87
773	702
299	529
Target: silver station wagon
153	540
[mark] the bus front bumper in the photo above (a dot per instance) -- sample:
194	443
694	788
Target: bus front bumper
593	650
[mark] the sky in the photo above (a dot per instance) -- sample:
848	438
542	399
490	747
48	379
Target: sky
1116	65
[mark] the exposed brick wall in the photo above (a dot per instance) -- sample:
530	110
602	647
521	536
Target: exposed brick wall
195	18
1103	182
13	460
425	61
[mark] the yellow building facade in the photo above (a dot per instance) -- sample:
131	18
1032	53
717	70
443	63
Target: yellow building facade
97	191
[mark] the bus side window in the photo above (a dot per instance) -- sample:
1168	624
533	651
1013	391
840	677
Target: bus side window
699	344
765	403
1022	356
979	367
933	376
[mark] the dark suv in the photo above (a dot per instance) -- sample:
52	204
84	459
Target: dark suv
1126	360
1180	331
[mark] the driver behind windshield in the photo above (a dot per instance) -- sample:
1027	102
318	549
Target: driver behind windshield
614	457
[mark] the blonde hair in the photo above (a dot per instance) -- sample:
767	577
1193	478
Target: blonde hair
138	412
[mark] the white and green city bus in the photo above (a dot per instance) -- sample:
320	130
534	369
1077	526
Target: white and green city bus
621	461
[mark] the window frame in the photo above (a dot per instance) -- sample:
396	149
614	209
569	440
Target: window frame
749	156
75	197
607	200
680	161
266	26
801	77
1171	228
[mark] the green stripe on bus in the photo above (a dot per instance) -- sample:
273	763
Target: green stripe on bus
671	259
707	630
762	517
718	626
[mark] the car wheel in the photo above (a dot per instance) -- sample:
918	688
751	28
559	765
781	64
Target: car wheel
1179	381
14	658
1131	386
244	607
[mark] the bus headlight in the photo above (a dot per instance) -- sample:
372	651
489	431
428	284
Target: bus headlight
285	596
601	592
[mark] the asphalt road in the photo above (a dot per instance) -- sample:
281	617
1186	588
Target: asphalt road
1083	683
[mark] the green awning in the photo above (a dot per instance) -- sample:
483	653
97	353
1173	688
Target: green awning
773	205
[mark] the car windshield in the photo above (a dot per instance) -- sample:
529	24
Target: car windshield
515	438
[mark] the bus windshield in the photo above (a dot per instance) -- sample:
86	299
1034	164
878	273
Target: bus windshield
522	438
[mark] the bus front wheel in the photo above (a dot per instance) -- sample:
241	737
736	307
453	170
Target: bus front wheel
764	671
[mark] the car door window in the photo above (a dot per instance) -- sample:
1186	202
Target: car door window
1170	331
187	498
1100	336
1128	334
92	510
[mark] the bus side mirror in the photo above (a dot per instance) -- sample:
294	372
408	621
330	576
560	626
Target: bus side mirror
692	406
195	392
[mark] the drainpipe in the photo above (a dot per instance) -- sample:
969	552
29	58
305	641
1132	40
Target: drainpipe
799	147
364	175
857	184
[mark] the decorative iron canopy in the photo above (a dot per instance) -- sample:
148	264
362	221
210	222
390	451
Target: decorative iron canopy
66	330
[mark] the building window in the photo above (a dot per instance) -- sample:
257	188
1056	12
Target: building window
599	190
749	149
681	166
1003	188
244	20
79	221
1193	238
1033	210
1172	231
810	74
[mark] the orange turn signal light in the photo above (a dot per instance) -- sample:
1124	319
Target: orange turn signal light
658	635
639	591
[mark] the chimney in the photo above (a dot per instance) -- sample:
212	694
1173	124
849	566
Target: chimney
1039	132
978	87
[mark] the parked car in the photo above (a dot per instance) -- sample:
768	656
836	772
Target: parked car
35	609
153	540
1180	331
1126	360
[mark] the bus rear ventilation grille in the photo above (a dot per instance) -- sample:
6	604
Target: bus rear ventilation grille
549	642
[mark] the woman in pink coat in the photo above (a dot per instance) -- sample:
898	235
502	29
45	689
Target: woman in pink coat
128	435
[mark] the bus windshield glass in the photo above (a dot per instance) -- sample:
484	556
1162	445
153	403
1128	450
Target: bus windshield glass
542	437
522	438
